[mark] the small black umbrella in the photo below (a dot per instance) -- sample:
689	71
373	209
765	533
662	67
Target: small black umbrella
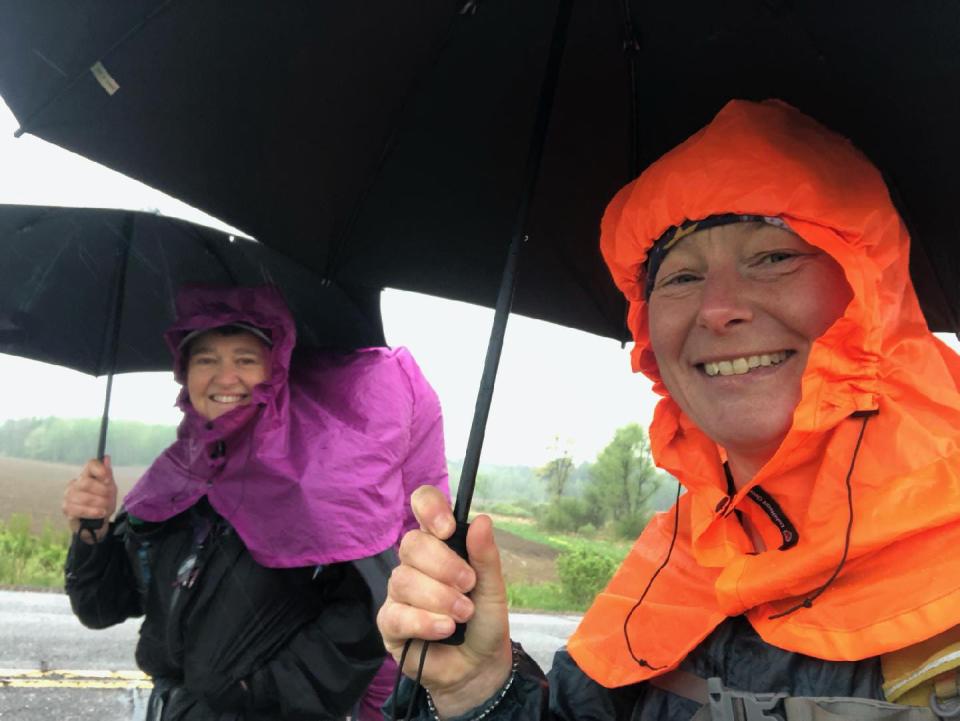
71	278
398	144
93	289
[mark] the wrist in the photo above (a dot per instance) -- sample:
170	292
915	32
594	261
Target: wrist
477	689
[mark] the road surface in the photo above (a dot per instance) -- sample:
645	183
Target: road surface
51	667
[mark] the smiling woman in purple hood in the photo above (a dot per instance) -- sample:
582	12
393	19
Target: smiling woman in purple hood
257	546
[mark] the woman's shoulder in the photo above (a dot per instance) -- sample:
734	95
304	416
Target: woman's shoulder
385	367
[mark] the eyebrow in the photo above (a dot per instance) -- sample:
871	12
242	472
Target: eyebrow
236	351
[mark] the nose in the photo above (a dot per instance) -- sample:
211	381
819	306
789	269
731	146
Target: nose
226	374
724	302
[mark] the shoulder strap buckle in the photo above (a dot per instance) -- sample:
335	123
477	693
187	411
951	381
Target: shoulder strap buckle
730	705
948	708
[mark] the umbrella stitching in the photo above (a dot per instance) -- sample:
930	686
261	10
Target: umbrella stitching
53	99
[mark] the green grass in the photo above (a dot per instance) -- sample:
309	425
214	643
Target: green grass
502	508
541	597
616	550
31	559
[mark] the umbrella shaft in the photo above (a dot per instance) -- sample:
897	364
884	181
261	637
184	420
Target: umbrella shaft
471	461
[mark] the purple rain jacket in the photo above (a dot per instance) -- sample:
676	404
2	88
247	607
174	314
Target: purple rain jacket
320	466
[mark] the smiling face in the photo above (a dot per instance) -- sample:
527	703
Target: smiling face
222	371
733	314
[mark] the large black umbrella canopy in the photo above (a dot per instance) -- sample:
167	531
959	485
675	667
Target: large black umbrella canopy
61	270
386	143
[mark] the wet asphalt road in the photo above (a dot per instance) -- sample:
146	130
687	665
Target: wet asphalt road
38	632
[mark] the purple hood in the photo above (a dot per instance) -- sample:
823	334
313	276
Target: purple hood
320	466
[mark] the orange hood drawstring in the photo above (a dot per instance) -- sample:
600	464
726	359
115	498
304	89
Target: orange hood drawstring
875	508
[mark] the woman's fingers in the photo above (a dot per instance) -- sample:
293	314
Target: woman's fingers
411	587
98	470
92	494
433	513
432	557
398	622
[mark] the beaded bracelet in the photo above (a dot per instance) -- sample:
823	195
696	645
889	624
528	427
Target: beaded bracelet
496	699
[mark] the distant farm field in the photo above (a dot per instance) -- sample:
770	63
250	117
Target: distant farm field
36	488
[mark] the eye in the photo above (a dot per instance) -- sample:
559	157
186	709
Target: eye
199	360
777	256
680	278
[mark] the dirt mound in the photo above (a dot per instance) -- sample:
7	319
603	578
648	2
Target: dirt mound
525	561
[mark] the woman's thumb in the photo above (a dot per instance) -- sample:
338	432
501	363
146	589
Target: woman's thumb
485	559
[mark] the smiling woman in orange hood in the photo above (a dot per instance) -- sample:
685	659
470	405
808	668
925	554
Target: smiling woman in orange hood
876	371
813	420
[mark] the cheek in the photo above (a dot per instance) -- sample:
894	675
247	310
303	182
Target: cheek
196	382
257	375
826	301
666	340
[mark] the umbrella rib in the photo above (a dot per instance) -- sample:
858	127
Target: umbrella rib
210	248
333	259
631	48
71	82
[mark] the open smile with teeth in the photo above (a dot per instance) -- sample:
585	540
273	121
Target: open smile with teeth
219	398
744	364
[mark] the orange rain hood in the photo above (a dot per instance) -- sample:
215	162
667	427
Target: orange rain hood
900	583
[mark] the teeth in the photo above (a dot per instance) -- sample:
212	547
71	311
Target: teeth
227	399
739	366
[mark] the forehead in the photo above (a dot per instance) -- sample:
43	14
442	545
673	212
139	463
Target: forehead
735	238
218	342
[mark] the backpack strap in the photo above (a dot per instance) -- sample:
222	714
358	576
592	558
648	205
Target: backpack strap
926	673
719	703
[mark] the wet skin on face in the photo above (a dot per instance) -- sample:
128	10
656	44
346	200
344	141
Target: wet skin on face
222	371
733	314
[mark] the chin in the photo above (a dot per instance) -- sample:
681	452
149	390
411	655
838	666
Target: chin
757	432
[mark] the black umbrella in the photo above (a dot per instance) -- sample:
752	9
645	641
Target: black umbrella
390	143
93	289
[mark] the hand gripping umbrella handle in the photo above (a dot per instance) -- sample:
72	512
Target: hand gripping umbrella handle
92	525
458	542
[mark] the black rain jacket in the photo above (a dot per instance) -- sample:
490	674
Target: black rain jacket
733	652
223	637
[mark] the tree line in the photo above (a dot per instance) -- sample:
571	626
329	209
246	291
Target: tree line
618	491
74	440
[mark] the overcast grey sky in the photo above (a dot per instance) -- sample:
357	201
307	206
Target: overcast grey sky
553	381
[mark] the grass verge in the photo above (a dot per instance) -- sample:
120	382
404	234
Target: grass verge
29	559
541	597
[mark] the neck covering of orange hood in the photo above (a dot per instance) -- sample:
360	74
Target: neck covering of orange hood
900	582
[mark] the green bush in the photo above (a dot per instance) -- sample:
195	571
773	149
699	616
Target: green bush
566	515
587	529
583	573
630	526
28	559
506	508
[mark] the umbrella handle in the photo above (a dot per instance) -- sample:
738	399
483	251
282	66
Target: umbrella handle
458	542
91	526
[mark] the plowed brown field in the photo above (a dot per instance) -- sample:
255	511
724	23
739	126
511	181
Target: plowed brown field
36	488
